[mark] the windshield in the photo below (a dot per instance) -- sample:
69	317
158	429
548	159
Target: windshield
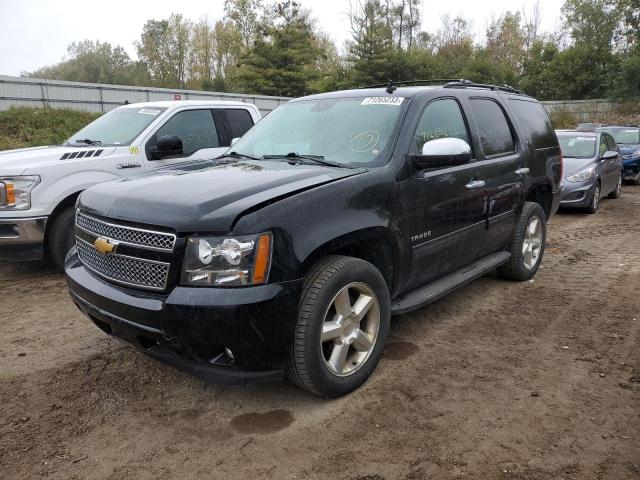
118	127
346	131
624	135
577	146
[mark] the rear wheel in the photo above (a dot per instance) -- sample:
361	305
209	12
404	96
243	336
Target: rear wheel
595	199
343	322
60	237
618	191
527	244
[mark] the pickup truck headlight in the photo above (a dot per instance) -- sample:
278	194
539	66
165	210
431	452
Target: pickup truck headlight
227	262
15	192
582	176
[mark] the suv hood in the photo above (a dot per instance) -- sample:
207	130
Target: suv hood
204	196
31	160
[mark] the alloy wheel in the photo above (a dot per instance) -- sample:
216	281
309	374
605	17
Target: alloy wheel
350	329
532	243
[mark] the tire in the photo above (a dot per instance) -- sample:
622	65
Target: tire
60	237
618	191
311	362
594	204
519	266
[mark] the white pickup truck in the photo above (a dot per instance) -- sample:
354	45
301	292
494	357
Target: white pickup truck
39	186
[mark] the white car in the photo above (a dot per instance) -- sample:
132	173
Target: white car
39	186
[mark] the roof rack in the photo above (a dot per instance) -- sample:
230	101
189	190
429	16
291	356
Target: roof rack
447	83
468	83
413	82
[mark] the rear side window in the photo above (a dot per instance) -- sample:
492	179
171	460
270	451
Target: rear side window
496	136
239	121
535	121
195	128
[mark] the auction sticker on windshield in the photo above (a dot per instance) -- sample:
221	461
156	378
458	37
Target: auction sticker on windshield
382	101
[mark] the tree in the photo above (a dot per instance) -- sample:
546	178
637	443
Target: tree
506	42
370	47
284	58
245	16
454	45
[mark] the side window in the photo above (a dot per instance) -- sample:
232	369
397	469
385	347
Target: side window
611	144
603	145
535	122
239	121
195	128
496	136
441	119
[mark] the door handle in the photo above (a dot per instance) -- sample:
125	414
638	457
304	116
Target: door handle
522	171
475	184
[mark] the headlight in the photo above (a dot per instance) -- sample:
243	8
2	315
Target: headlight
582	176
636	154
15	192
227	262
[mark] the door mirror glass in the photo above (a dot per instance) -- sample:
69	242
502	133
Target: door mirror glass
167	146
609	154
442	152
234	141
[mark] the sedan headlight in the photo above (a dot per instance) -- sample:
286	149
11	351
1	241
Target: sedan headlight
227	262
582	176
15	192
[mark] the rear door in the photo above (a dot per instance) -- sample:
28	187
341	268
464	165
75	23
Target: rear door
505	169
443	209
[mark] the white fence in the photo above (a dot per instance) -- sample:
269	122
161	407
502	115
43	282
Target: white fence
96	97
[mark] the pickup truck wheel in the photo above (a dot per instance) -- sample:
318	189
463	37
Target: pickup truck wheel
61	237
618	191
343	322
527	244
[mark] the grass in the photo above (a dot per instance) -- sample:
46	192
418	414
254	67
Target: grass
32	127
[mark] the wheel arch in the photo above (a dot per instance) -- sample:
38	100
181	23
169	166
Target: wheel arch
374	245
541	194
68	201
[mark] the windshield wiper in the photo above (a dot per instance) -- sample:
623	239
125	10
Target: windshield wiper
313	158
238	155
88	141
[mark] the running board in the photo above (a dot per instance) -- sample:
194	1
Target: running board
439	288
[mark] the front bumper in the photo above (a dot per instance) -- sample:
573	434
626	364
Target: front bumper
632	171
22	239
576	195
190	328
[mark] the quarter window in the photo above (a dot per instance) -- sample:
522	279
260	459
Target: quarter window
496	136
195	128
441	119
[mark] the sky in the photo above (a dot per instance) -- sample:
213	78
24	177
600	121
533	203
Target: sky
34	33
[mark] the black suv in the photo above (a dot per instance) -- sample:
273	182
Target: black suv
290	253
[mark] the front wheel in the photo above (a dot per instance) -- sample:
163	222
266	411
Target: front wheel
527	244
343	323
60	237
595	199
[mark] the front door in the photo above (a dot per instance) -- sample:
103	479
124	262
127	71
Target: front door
443	209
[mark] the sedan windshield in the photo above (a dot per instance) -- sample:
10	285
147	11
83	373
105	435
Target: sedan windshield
577	146
624	135
118	127
345	131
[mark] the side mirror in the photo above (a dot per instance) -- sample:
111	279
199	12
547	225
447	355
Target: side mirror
167	146
610	154
442	152
234	141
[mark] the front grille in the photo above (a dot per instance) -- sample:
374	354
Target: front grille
132	236
122	269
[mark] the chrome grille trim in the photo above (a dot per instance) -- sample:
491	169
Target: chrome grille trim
137	237
123	269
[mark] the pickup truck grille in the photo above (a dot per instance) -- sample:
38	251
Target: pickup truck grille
135	255
133	236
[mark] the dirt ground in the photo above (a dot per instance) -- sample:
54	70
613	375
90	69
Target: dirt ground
499	380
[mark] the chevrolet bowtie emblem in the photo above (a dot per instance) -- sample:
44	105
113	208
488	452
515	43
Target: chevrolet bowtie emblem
104	246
